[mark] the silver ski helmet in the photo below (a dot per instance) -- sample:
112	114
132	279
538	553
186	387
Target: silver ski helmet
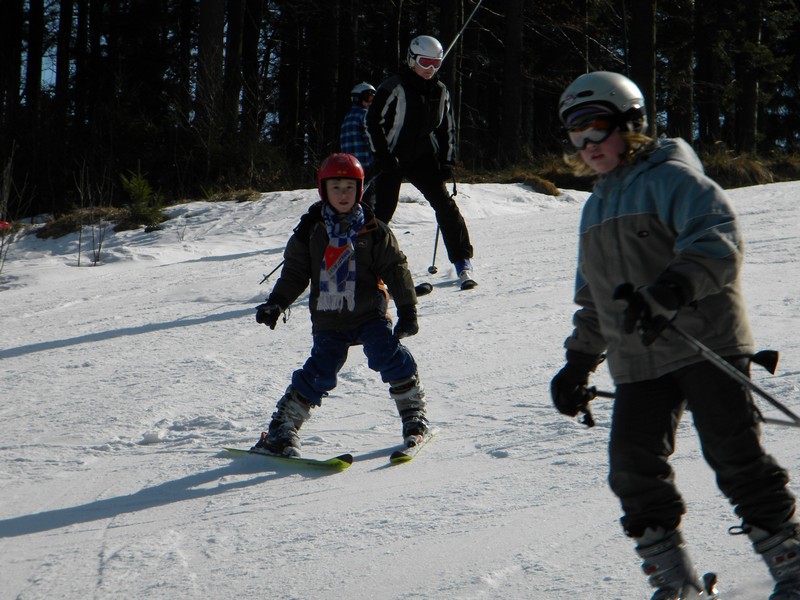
360	92
607	89
426	49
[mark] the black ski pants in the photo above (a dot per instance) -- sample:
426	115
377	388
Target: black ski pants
644	422
424	175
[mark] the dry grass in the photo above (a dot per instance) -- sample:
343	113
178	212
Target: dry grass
545	175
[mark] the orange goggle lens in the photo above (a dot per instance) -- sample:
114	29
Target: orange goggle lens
426	62
589	132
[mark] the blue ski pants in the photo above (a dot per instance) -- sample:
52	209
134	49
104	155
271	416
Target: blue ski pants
385	354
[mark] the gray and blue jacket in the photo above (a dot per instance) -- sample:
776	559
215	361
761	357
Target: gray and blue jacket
660	217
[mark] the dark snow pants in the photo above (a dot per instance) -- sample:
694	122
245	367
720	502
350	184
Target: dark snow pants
385	354
645	418
424	175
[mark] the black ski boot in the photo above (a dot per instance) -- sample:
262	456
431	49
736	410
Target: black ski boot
781	552
409	396
282	436
669	569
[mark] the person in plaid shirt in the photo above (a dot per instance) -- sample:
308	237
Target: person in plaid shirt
353	135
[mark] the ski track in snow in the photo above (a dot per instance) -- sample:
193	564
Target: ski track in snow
122	382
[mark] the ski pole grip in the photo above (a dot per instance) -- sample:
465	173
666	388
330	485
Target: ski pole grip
587	418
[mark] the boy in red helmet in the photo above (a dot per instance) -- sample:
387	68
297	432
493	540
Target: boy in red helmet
346	255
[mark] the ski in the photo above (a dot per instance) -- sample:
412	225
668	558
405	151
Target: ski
406	454
423	289
340	462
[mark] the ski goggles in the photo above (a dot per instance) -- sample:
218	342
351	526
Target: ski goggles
592	131
427	62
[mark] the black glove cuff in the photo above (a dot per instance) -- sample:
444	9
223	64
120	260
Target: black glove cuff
678	285
583	361
277	299
408	311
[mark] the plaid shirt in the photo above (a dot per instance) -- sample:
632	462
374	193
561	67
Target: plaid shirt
353	136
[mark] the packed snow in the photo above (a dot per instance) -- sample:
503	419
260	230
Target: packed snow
123	381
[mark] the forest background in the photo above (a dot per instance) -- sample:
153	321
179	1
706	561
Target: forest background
108	102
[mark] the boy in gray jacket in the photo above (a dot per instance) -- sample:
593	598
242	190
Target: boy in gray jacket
660	243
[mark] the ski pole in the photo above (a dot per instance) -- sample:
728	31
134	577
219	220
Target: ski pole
737	375
458	35
433	269
592	392
267	276
766	358
600	393
369	183
587	418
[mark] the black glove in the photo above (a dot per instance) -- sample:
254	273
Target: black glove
386	163
446	171
650	309
406	322
268	313
569	387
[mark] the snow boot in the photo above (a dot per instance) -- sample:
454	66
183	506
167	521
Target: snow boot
781	552
464	272
282	436
668	568
409	396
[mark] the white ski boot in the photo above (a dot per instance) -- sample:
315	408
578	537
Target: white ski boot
282	436
409	396
669	569
781	552
466	280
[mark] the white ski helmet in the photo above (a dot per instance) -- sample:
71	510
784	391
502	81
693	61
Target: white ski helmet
424	46
360	91
610	90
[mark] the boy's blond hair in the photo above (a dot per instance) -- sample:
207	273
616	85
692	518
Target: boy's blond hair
637	145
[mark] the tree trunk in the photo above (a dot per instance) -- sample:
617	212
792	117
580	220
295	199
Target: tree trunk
232	87
63	63
209	70
323	121
707	75
10	63
186	25
250	72
82	75
747	77
349	48
679	75
288	134
510	149
643	55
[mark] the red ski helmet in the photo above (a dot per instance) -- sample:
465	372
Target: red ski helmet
340	166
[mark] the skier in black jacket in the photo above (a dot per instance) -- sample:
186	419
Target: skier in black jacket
411	132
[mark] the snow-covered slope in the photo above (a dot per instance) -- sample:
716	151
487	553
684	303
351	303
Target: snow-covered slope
122	382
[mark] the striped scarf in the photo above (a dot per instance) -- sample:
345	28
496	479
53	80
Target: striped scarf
337	278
